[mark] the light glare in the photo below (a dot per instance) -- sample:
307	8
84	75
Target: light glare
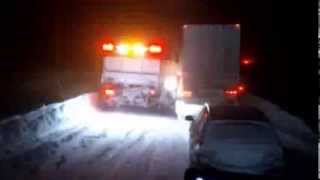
109	92
139	49
83	113
199	178
108	47
155	49
183	109
123	49
170	83
187	94
240	88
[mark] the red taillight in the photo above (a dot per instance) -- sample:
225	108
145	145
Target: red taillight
246	62
241	88
109	92
231	92
152	92
155	49
187	94
235	91
108	47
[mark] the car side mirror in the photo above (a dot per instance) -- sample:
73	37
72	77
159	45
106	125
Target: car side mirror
189	118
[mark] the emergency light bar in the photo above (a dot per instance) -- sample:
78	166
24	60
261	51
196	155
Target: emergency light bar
123	49
155	49
108	47
135	49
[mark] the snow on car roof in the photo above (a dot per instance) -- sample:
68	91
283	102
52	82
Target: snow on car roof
245	131
240	112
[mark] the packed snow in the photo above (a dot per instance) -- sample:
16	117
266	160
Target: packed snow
75	140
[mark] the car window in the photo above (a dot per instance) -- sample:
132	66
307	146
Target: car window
236	113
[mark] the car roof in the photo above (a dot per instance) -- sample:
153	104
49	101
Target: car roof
236	112
246	129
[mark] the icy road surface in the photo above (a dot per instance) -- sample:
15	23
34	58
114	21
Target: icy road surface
125	148
75	140
108	145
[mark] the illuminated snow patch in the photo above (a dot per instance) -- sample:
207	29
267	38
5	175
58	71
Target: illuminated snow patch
80	112
77	110
183	109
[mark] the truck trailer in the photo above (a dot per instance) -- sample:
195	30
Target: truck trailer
209	61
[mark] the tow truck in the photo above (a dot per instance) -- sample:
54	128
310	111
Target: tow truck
136	73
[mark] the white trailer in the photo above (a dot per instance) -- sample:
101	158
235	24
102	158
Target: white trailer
210	58
209	63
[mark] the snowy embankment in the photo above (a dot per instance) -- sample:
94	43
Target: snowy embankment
293	132
101	145
23	132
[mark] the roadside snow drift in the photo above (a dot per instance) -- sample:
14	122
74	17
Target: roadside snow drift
75	140
293	132
25	131
22	132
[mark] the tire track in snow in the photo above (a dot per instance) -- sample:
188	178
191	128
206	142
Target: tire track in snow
135	160
121	147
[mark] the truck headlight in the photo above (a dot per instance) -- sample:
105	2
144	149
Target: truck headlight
170	83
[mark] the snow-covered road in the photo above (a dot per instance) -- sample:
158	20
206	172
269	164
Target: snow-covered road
75	140
107	145
132	151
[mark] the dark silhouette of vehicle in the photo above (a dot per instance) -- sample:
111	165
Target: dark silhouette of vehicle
234	138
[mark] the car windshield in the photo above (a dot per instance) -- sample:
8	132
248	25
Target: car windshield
231	112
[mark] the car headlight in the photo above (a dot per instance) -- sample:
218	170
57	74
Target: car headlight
170	83
199	178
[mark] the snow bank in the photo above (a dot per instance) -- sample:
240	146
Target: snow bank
25	131
293	132
22	131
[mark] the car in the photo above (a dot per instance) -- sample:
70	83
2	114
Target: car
234	138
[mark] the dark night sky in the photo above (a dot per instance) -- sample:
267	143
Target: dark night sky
58	35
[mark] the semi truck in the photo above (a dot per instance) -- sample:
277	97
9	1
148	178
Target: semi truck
139	74
209	61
